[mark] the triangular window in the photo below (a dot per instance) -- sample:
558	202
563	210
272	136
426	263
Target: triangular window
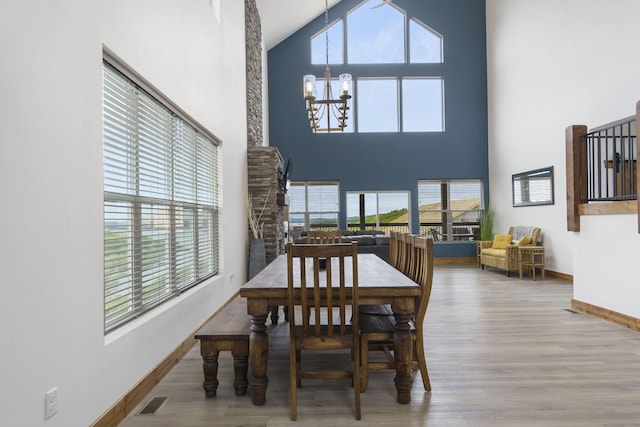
375	36
336	44
424	43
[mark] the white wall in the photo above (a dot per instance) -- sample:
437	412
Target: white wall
552	64
605	259
51	296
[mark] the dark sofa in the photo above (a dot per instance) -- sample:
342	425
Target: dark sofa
369	241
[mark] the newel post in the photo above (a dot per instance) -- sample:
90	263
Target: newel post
576	174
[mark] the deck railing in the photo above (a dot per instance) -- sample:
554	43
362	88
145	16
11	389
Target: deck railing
459	231
611	162
601	168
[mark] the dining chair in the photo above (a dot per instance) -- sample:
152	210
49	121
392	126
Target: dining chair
403	254
403	262
376	332
322	315
317	237
393	248
410	263
324	237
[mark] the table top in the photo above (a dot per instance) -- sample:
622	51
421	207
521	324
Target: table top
376	278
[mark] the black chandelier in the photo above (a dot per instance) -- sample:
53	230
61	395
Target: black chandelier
320	111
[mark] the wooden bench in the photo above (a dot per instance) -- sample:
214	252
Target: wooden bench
228	330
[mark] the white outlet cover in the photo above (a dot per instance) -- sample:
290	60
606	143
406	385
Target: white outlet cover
51	403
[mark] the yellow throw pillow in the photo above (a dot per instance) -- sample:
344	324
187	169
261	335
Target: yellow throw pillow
500	241
524	241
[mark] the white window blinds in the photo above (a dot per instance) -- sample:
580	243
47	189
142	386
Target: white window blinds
160	201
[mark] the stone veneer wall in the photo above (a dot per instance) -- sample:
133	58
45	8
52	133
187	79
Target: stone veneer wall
264	164
253	37
264	167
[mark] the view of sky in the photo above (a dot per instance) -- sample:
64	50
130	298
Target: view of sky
377	36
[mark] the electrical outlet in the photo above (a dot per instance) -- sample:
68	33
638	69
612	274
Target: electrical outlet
51	403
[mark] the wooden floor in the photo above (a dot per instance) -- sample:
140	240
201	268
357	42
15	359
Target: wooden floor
500	351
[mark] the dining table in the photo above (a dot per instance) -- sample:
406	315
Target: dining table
378	283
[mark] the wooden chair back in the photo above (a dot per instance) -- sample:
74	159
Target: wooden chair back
324	237
423	276
411	264
323	313
393	248
402	251
405	243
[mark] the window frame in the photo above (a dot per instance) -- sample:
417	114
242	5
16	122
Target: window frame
402	227
411	71
444	231
307	213
164	254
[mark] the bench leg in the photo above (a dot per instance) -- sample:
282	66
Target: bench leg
210	367
240	354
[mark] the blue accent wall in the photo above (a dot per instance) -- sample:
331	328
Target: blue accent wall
390	161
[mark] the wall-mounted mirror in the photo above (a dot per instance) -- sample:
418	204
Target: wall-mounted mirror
533	187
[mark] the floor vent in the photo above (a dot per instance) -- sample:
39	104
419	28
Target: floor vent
153	406
572	311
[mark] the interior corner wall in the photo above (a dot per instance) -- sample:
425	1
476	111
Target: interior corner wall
551	65
389	161
51	223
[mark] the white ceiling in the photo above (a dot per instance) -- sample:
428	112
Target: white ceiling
281	18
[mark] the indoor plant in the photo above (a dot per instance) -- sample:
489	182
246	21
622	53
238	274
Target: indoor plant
486	224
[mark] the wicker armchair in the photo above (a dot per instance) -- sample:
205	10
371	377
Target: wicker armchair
509	258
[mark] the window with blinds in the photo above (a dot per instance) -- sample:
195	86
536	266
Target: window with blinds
160	201
450	209
314	205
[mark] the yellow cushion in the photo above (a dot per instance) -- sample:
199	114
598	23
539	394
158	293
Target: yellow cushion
500	241
495	252
524	241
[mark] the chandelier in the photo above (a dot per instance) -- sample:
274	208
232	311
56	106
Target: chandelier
320	111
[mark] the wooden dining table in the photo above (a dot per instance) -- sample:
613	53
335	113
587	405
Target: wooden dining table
379	283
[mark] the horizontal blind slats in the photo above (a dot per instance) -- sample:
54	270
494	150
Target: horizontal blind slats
160	213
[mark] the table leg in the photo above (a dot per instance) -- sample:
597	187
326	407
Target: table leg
240	354
403	346
258	351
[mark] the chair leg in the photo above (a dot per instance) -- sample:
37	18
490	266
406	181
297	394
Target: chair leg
274	314
293	380
422	362
298	369
364	356
356	377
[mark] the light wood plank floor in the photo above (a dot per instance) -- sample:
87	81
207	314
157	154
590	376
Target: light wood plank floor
500	352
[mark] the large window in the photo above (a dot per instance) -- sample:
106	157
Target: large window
450	209
160	201
377	105
313	206
422	105
405	101
378	210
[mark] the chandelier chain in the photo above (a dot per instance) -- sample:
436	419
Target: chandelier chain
326	30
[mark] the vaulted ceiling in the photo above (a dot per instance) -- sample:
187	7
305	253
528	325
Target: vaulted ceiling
281	18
